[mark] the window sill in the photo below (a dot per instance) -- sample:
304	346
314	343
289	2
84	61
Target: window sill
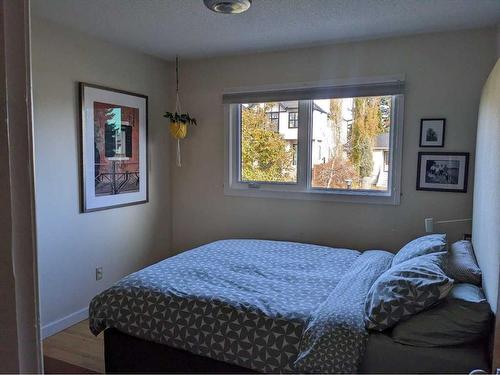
357	197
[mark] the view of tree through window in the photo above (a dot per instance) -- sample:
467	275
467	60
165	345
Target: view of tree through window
349	142
356	135
267	151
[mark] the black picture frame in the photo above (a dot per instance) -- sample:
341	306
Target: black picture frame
422	141
461	175
82	86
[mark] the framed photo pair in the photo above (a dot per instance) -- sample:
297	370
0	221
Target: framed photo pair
443	171
114	148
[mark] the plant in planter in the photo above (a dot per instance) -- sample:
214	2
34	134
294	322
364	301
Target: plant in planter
178	120
179	123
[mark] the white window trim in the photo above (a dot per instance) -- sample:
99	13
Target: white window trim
302	189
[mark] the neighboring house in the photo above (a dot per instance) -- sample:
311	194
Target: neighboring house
381	157
285	115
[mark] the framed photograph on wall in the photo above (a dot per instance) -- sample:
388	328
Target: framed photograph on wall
432	132
114	148
443	171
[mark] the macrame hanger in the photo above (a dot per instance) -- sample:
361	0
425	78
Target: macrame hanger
177	107
177	100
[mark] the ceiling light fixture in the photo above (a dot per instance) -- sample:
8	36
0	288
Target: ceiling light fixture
228	6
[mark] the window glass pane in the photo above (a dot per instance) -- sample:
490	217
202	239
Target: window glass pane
274	118
350	143
293	119
267	150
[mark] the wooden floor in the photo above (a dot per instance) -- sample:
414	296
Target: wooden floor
75	346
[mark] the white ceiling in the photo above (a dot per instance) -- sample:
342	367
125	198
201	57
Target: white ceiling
168	27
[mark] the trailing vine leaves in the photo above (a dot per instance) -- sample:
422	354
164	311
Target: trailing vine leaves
180	117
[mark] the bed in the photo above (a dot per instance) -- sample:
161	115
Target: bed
259	306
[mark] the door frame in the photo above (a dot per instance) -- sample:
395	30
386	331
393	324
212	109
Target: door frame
20	347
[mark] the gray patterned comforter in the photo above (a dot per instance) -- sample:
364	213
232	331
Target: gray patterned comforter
266	305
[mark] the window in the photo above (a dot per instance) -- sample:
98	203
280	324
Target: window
386	160
274	118
117	136
293	120
342	143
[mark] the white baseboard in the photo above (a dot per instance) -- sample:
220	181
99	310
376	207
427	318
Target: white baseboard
60	324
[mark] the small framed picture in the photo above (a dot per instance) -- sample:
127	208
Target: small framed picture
443	171
432	132
114	154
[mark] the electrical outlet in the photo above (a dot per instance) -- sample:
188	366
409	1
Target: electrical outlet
98	273
429	225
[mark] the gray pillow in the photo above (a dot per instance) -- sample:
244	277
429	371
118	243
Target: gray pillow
433	243
461	265
406	289
463	316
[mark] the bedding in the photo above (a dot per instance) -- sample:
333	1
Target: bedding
334	341
461	265
405	290
432	243
463	316
248	302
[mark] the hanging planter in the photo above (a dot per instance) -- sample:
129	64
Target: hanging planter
179	121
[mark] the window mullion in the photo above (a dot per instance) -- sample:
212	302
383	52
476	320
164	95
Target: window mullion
304	154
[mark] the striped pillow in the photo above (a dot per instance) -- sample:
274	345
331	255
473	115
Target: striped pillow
432	243
405	290
461	264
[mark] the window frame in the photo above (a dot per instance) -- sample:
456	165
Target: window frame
295	150
302	189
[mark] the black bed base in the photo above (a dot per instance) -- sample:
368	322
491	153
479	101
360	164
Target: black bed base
127	354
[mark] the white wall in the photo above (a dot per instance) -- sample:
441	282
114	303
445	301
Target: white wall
444	75
486	234
498	41
121	240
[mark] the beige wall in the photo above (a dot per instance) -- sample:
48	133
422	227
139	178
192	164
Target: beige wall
122	240
444	76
